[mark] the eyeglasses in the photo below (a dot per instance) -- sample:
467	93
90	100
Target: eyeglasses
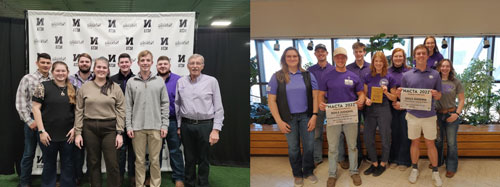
195	63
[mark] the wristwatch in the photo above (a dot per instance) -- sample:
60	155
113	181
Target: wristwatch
119	132
315	114
41	131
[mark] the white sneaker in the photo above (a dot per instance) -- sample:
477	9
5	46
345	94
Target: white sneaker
437	179
413	176
312	178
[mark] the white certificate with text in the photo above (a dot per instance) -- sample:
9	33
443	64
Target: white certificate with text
341	113
416	99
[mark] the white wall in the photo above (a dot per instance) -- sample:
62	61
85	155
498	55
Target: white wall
344	18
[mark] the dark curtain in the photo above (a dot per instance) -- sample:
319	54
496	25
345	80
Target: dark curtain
227	54
13	68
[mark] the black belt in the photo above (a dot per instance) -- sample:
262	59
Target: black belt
194	121
100	120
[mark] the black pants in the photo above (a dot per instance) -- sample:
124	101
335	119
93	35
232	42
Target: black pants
194	137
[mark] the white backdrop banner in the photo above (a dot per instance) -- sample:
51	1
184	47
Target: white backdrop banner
65	34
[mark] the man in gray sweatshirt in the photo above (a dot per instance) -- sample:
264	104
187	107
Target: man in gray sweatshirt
147	112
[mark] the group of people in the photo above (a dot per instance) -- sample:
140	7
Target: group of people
120	117
298	99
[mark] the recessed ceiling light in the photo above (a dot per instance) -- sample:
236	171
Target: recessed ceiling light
221	23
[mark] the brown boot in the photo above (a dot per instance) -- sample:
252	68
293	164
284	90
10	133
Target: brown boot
132	181
331	182
450	174
356	179
344	164
179	184
147	182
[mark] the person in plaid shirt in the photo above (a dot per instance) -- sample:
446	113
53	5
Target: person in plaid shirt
23	105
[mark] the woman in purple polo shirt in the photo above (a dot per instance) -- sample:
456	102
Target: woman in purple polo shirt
400	146
434	55
293	102
378	114
448	115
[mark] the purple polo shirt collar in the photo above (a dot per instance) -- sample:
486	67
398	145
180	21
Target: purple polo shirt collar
360	72
296	92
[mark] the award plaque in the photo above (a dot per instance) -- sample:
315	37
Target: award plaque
377	95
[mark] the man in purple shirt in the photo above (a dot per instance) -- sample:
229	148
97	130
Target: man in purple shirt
318	70
200	114
341	86
173	139
359	67
422	121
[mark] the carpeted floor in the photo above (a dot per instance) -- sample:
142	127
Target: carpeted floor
220	176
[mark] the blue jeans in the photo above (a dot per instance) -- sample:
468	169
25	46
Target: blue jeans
318	140
378	115
333	133
175	152
400	147
302	163
448	130
49	174
127	154
30	141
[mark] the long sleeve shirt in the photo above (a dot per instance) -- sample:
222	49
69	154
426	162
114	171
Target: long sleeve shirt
25	93
92	104
199	99
147	104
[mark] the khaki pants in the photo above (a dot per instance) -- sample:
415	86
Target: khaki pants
152	139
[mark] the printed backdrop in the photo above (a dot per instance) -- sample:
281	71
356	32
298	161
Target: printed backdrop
65	34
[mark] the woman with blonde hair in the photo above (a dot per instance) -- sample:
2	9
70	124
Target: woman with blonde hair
53	110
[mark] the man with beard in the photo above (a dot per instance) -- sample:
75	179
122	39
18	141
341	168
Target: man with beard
173	140
121	78
78	79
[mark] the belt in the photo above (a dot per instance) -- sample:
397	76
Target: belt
445	111
100	120
195	121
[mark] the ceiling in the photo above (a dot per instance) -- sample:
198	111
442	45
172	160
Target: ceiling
238	11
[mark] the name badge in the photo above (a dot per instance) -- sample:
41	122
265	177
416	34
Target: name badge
348	82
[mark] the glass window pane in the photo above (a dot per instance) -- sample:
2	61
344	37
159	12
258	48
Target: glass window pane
272	57
347	44
255	93
496	59
439	43
308	55
465	49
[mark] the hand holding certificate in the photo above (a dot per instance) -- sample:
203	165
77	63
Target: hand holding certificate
341	113
416	99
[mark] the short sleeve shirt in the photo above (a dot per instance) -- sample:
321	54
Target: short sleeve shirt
450	91
427	79
341	86
397	75
296	92
58	114
378	81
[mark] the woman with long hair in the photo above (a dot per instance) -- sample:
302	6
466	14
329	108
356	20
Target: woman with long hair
400	146
377	112
99	117
53	110
448	115
294	106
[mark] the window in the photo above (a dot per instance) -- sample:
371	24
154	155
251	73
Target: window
465	49
496	62
308	55
254	90
272	58
439	43
347	44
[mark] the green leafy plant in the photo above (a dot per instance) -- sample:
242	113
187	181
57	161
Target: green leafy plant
307	65
479	99
382	42
254	71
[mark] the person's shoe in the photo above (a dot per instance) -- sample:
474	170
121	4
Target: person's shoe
436	179
402	167
413	176
312	178
299	181
370	170
430	166
356	179
179	184
147	182
393	165
331	181
450	174
344	164
379	170
317	163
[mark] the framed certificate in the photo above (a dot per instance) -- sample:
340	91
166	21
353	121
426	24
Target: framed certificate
416	99
341	113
